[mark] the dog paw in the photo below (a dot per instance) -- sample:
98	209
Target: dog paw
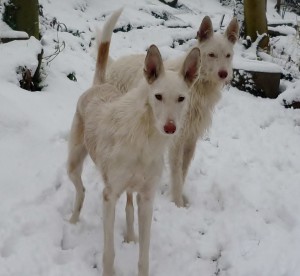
185	201
130	238
73	219
181	202
109	272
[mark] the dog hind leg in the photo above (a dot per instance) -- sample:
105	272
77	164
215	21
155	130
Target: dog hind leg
77	154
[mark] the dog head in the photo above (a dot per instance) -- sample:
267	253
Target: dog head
217	50
168	90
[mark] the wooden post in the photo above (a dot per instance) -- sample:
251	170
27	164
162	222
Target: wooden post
256	21
23	15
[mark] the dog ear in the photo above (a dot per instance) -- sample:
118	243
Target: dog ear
206	29
153	67
191	66
232	31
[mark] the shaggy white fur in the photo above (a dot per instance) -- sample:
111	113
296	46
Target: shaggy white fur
215	70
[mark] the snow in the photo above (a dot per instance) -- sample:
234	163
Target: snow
255	65
283	30
30	49
7	32
292	93
243	184
14	34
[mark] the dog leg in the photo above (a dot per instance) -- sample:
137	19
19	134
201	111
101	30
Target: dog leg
175	160
75	163
188	154
109	205
77	154
145	210
129	236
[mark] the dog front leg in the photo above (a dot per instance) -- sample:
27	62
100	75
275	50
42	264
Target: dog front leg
145	210
129	236
109	205
175	160
188	154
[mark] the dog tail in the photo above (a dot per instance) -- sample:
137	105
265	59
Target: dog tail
103	41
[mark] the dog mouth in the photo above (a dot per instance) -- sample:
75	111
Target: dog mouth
169	133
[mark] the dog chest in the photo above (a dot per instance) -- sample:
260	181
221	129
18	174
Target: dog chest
133	170
203	99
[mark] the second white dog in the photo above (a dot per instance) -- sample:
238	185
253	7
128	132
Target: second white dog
216	70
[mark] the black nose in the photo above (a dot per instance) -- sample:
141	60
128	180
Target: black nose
223	74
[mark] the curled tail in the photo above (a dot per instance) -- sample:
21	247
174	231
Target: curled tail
103	47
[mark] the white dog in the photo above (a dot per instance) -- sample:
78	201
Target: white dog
126	137
216	69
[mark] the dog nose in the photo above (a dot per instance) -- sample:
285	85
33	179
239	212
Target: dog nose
223	74
170	127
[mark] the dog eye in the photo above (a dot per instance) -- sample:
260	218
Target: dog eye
181	99
158	97
212	55
228	55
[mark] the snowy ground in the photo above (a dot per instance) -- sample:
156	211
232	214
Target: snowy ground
243	185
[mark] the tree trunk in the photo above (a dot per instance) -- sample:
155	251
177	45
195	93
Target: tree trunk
23	15
256	21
